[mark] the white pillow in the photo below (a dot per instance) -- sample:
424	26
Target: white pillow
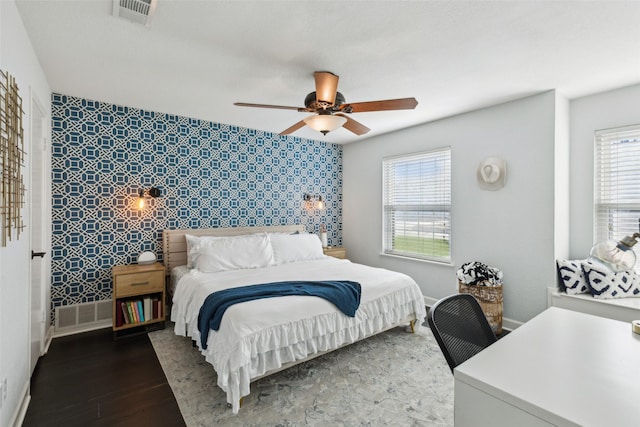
295	247
233	253
571	276
192	242
193	246
605	284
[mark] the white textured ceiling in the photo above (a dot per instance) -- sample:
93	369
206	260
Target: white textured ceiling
199	57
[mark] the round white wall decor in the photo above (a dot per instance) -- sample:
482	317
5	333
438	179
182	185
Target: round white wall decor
492	173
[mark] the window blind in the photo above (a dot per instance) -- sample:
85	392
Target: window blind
617	184
417	205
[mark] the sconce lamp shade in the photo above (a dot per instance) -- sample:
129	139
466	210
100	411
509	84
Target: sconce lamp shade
617	256
313	201
324	123
141	201
153	192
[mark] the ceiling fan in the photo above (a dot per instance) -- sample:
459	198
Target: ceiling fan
330	107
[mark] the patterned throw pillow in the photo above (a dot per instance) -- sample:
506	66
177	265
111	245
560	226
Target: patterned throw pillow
606	284
572	277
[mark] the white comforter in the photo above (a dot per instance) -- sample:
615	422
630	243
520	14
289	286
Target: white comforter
259	336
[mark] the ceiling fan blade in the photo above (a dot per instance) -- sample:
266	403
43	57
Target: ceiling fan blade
279	107
388	104
293	128
354	126
326	86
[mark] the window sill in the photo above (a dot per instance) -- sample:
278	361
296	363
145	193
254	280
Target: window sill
428	261
622	309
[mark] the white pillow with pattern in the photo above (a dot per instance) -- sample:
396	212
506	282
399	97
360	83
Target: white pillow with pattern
571	276
606	284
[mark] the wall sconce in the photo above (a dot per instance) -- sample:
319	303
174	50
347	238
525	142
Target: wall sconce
314	201
153	192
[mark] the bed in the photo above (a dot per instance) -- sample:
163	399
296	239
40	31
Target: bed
260	337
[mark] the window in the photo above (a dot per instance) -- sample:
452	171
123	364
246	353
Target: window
417	205
617	184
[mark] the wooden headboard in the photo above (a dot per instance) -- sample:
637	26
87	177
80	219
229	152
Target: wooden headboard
174	244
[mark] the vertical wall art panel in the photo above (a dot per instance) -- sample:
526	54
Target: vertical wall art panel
209	174
12	155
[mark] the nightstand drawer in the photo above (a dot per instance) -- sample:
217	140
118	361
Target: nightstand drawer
139	283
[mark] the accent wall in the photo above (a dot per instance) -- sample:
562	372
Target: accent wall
209	174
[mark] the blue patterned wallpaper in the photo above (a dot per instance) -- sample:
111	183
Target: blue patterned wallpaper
209	174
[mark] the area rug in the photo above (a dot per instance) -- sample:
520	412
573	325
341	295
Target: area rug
393	379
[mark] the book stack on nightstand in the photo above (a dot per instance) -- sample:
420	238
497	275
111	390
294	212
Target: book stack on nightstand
138	295
335	251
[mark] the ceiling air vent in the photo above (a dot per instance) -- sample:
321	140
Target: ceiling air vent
140	11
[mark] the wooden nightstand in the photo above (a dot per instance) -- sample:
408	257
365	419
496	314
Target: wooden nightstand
138	289
335	251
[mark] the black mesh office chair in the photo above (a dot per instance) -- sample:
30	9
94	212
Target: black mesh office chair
460	327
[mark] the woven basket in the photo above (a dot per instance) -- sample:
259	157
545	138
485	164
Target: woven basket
490	299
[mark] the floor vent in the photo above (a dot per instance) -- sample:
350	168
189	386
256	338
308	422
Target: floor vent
140	11
82	317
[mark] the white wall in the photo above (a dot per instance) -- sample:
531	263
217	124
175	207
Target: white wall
18	58
616	108
512	229
562	178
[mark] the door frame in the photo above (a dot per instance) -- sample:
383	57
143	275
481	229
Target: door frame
44	216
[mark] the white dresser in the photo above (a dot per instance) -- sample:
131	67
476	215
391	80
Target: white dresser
561	368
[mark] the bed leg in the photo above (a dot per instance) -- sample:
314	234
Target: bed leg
229	405
412	323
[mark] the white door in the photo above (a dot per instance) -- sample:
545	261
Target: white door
39	240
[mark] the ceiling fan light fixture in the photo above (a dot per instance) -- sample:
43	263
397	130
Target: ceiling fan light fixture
324	123
330	107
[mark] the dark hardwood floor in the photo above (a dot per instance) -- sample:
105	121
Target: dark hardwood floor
91	380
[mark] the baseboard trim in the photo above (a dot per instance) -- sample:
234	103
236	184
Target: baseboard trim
428	301
508	324
47	340
18	417
78	330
